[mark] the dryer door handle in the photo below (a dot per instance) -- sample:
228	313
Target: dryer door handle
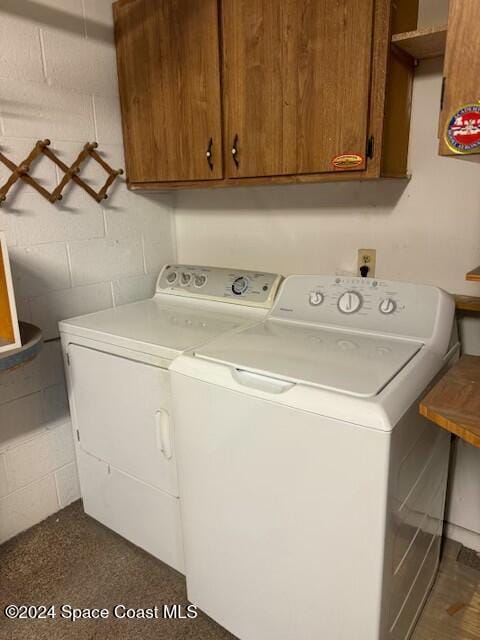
261	382
163	437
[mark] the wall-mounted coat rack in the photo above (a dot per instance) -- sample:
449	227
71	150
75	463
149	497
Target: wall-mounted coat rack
21	172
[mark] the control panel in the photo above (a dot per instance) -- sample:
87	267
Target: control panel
252	288
363	304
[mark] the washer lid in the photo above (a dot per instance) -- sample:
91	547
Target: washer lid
347	362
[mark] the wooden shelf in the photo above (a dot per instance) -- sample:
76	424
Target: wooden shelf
423	43
454	402
474	276
467	303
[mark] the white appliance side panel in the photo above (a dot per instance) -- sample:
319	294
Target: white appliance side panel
123	414
283	514
140	513
418	478
420	589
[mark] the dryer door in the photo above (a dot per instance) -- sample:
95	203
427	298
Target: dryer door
122	414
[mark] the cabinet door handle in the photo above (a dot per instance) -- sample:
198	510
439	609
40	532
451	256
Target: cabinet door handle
235	151
209	154
162	424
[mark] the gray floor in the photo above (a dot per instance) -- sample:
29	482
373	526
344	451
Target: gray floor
71	559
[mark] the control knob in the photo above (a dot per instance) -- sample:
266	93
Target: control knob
171	277
240	285
316	298
387	306
200	281
185	278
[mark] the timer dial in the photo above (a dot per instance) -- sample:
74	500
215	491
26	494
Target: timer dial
350	302
240	285
387	306
172	276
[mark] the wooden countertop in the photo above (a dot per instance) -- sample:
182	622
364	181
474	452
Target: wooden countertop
467	303
454	402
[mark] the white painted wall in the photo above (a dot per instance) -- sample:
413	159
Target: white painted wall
425	230
58	81
432	12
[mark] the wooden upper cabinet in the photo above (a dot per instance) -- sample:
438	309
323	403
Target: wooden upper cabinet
296	84
169	80
285	90
462	82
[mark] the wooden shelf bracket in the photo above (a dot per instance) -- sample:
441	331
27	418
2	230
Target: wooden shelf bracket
474	275
21	172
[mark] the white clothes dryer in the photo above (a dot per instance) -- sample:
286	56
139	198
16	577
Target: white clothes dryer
118	382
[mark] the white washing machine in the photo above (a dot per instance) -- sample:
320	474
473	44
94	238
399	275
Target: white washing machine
119	392
312	491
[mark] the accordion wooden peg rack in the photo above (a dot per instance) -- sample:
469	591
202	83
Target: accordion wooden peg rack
71	173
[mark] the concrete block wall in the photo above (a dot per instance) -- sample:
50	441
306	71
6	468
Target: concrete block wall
58	80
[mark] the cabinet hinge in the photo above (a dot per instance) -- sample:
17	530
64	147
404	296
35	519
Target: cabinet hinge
442	95
370	147
78	435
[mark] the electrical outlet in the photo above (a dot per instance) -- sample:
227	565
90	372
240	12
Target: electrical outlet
367	261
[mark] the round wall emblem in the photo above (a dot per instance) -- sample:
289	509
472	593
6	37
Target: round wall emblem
463	130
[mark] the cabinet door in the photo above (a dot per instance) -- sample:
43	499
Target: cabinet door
460	116
169	80
296	84
259	68
122	414
334	72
